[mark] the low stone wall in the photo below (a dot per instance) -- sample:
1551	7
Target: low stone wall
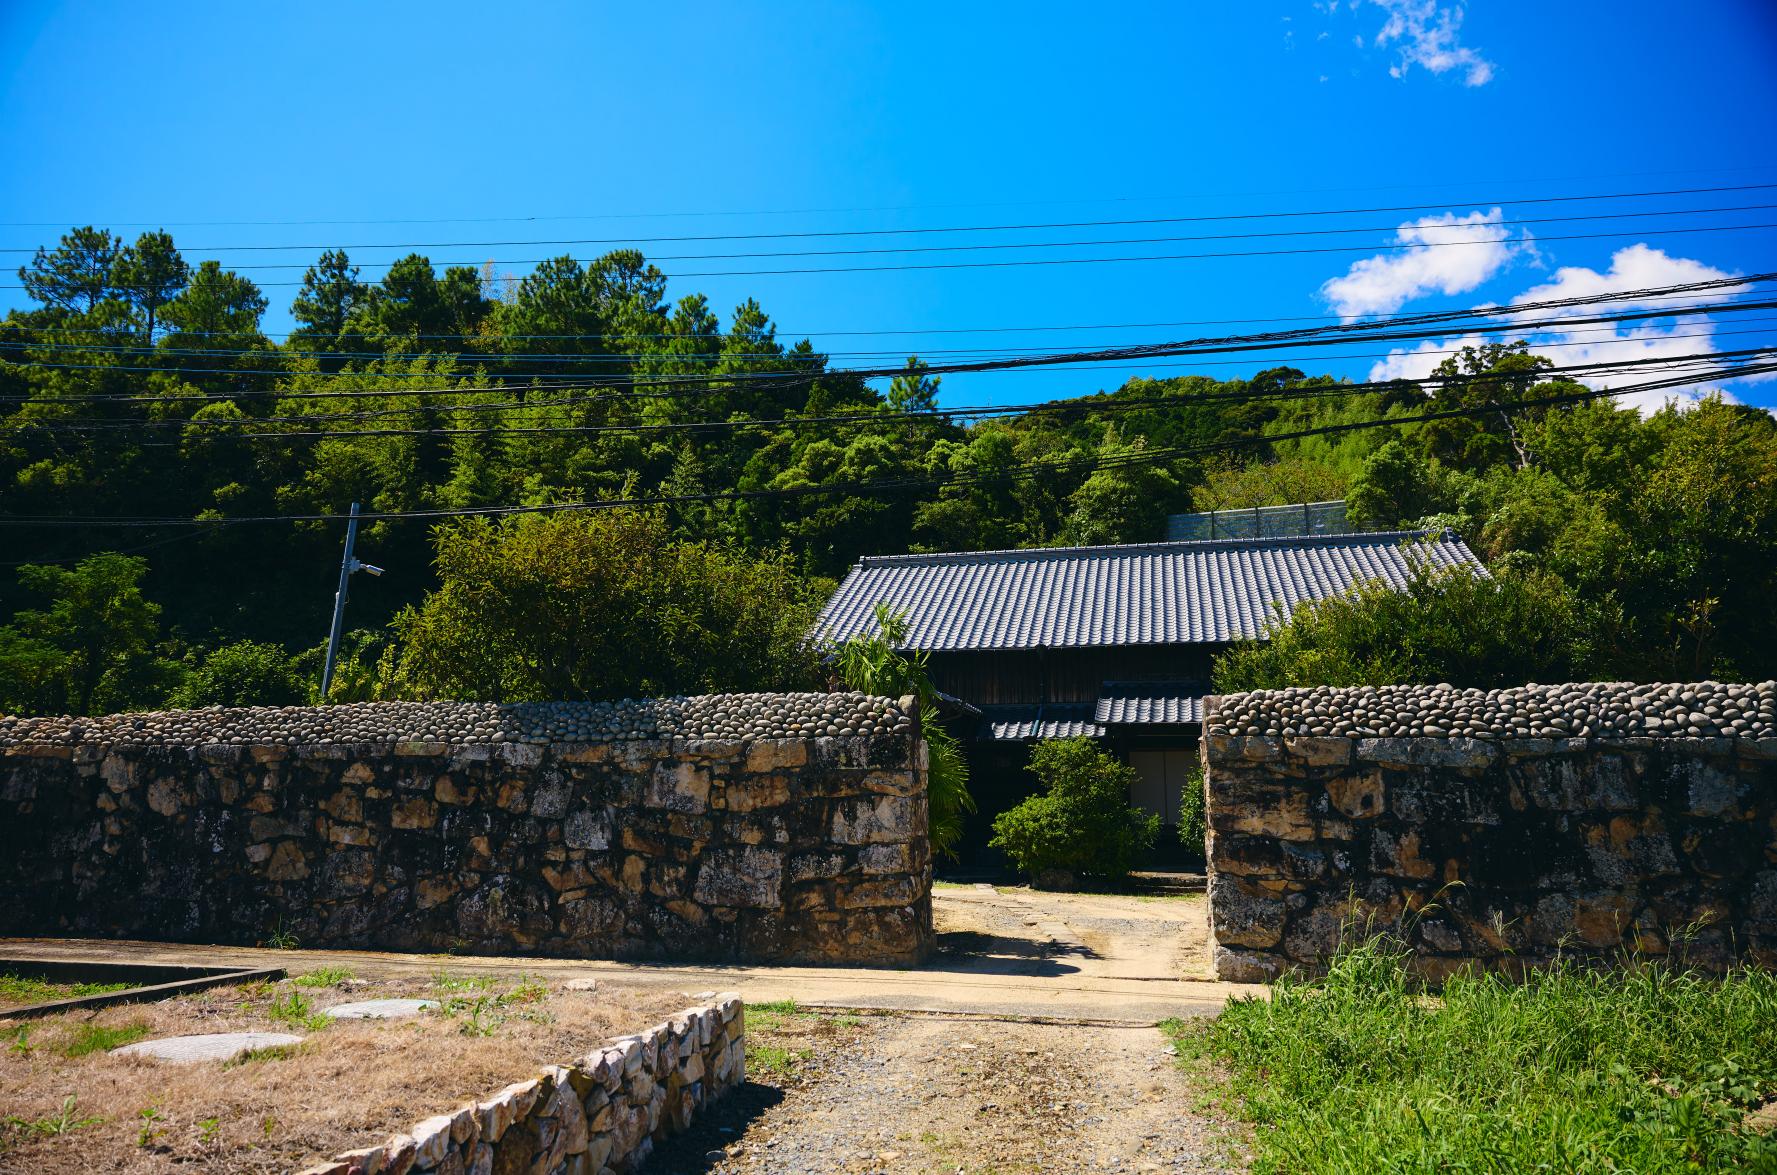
755	827
1495	828
600	1114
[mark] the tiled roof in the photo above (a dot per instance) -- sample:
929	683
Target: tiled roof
1149	703
1147	594
1021	723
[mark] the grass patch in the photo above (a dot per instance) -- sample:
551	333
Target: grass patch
16	989
324	977
776	1060
98	1038
1642	1069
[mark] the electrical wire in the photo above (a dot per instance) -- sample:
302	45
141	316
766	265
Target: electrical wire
1136	457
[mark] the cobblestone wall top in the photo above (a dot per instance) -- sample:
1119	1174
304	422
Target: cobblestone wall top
713	716
1593	710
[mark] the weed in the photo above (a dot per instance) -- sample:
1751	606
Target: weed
444	981
258	989
782	1007
324	977
149	1131
66	1122
99	1038
21	1039
281	938
208	1129
298	1011
528	991
267	1126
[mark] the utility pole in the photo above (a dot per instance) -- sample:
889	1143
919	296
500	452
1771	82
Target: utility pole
347	565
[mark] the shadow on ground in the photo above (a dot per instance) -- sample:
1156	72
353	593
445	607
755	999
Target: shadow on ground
717	1127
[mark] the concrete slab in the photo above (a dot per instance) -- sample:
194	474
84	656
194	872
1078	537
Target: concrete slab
210	1046
379	1009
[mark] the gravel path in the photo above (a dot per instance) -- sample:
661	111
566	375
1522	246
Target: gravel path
940	1094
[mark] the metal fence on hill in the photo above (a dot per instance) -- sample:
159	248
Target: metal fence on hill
1263	522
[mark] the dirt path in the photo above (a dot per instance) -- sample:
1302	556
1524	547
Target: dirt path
904	1094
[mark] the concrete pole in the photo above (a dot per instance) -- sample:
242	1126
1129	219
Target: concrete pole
347	565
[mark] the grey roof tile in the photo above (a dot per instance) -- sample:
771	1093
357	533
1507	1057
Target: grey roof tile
1149	703
1023	723
1152	593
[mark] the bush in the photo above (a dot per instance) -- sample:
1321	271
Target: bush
1446	625
1081	821
1193	827
600	605
245	673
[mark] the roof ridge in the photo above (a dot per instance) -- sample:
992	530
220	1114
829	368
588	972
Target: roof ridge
1034	554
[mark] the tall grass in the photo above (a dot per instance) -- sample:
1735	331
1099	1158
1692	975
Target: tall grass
1570	1070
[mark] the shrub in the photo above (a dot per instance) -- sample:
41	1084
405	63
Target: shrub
1081	821
1193	827
245	673
1446	624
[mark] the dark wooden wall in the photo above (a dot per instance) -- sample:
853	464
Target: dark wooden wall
1030	676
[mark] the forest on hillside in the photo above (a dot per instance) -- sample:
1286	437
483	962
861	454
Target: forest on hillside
141	387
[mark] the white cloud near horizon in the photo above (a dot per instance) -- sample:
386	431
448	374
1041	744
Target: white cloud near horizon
1636	267
1429	35
1445	254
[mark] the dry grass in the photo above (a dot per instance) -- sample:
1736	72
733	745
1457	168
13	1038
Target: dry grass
348	1084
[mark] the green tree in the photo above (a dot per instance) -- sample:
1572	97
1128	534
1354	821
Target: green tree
914	390
150	274
78	274
330	292
878	664
219	308
598	605
1080	822
91	648
1124	501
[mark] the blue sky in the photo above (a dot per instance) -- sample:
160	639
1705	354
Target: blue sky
444	122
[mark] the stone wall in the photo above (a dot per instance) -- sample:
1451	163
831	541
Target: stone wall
600	1114
731	828
1498	828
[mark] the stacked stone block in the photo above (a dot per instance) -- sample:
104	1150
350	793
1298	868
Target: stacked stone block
1494	828
648	843
599	1115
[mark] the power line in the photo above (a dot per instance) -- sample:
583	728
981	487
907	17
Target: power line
1149	257
777	331
1137	457
1480	226
870	416
696	213
971	228
1438	322
584	357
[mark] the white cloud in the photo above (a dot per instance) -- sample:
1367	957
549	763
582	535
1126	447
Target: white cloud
1447	254
1634	268
1429	35
1638	267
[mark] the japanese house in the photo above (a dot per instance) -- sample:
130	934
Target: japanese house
1113	643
